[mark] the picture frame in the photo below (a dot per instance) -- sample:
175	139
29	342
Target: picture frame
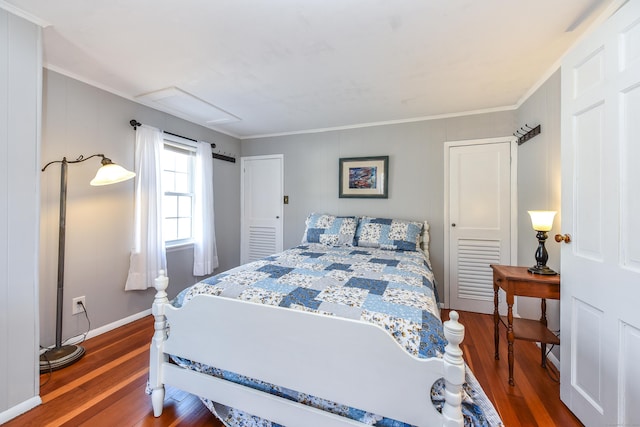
364	177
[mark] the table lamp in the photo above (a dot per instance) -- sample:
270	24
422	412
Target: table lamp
542	221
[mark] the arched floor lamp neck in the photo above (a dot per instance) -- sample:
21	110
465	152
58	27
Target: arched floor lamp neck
109	173
80	159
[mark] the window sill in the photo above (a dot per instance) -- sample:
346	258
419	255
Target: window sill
179	246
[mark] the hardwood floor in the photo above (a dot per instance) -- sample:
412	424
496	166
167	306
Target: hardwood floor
106	387
535	398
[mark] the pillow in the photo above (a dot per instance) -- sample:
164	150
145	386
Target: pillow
330	230
392	234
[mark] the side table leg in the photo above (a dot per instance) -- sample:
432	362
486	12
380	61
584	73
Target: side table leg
510	339
543	320
496	320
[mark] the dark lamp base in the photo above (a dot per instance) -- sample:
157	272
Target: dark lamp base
61	357
544	270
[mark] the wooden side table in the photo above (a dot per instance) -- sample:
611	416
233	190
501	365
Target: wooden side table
517	281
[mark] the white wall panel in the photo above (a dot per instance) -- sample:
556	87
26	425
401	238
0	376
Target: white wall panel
475	209
629	375
4	208
588	131
630	49
589	73
630	154
587	372
629	336
20	94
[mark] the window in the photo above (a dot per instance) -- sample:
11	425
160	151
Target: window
177	185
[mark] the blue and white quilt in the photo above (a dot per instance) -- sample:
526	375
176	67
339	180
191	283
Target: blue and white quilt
393	289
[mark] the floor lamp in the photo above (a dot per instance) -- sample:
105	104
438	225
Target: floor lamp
61	356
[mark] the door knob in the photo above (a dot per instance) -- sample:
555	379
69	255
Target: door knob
563	238
453	225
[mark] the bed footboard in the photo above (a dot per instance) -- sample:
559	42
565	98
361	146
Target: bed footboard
256	323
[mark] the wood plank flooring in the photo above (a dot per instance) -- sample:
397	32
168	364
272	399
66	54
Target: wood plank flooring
106	387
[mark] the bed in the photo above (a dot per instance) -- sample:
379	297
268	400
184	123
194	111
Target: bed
343	329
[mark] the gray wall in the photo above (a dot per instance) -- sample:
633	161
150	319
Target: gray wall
416	170
417	174
20	65
539	178
416	182
79	119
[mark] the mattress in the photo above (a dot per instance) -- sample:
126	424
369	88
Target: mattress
394	289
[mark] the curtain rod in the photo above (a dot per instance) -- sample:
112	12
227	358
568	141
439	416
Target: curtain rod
184	137
134	123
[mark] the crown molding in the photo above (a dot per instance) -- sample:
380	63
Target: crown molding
23	14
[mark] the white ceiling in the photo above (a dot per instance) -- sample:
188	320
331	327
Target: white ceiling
287	66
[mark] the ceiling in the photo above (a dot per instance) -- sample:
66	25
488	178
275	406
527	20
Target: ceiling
252	68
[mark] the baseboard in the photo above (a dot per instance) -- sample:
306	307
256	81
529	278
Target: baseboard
111	326
19	409
106	328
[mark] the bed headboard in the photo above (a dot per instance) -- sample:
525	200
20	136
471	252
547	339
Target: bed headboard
425	238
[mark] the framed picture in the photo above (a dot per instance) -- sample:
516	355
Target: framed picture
364	177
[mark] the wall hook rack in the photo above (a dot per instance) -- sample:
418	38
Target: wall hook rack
221	156
526	132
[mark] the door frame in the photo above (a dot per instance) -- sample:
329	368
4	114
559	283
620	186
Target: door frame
514	203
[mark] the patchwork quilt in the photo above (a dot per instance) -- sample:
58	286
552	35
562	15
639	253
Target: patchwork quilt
393	289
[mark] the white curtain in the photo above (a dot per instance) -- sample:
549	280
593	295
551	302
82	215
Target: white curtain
148	255
205	254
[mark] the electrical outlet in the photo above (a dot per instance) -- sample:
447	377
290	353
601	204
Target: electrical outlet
76	307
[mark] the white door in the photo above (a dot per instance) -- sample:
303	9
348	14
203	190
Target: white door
261	206
478	219
600	285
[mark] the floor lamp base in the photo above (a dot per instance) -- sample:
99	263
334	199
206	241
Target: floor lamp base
61	357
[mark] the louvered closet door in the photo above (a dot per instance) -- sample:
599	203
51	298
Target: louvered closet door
479	221
262	211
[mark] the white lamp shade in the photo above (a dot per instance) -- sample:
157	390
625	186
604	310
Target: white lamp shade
542	220
110	174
